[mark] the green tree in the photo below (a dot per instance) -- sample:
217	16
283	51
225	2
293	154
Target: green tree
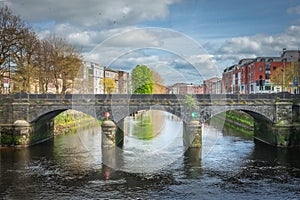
190	102
142	80
108	85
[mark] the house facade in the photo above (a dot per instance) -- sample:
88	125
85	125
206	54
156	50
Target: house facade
264	74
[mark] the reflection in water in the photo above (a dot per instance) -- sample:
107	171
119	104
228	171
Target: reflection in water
146	151
70	167
192	162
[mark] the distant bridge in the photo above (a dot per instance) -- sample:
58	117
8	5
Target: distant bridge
276	116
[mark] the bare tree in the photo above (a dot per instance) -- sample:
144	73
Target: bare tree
12	30
26	71
44	64
65	63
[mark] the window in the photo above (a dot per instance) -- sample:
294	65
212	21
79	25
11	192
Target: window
267	76
260	68
274	68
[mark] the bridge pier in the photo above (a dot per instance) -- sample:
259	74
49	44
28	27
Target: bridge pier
15	135
23	134
112	135
277	134
192	135
284	131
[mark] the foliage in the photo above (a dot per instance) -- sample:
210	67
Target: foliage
12	32
24	58
190	102
108	85
157	79
284	75
240	117
32	61
142	80
159	87
64	63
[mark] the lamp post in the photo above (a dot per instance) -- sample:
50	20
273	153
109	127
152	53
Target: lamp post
104	84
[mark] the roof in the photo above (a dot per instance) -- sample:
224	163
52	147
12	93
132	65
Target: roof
291	55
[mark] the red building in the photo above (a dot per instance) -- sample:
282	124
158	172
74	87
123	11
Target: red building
264	74
213	86
184	88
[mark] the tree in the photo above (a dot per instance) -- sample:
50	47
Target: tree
12	30
65	62
283	76
108	85
157	79
26	72
142	80
44	65
159	87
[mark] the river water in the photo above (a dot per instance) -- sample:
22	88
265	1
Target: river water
152	164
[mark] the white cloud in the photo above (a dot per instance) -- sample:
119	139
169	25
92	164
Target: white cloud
134	38
157	48
294	10
237	48
92	12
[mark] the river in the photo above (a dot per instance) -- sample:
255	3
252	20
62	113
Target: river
151	165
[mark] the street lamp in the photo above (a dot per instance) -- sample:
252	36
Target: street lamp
104	85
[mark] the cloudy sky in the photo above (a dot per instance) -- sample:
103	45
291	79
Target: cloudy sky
183	40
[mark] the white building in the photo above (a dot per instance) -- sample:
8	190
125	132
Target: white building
93	73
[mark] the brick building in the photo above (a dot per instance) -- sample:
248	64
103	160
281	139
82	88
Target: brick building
184	88
213	86
264	74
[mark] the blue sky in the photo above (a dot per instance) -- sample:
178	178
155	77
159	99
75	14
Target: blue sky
222	32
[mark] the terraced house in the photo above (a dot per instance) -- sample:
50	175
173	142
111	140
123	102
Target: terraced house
264	74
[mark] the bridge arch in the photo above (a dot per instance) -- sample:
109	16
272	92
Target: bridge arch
258	113
48	115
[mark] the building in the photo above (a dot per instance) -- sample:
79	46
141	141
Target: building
213	86
123	82
160	89
184	88
264	74
93	74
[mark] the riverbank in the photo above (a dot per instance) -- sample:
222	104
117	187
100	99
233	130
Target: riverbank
236	121
70	120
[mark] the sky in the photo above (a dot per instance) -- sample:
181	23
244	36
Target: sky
183	40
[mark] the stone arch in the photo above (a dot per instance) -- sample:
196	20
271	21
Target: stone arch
158	108
42	123
48	113
258	113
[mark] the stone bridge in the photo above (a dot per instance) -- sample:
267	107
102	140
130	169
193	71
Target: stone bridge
276	116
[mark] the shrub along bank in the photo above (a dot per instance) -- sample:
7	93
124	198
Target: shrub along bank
237	120
70	120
